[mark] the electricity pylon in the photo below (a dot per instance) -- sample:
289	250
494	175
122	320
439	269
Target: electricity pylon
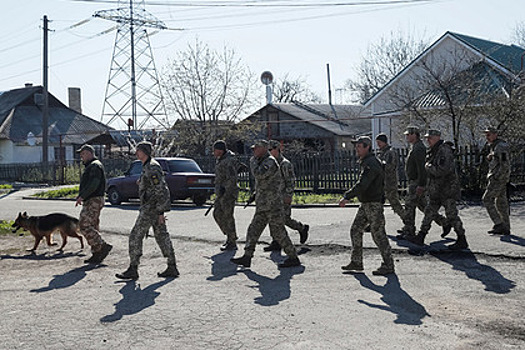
133	96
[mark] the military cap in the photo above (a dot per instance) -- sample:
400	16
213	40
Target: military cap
382	137
86	147
260	143
145	147
219	144
274	144
491	129
433	132
411	130
365	140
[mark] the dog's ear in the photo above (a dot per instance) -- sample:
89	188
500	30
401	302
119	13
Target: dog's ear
25	214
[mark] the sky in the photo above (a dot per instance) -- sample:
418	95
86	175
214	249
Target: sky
282	36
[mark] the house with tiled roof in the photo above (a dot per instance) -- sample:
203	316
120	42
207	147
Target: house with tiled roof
455	58
21	127
324	126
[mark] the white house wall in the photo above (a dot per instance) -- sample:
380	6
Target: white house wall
11	153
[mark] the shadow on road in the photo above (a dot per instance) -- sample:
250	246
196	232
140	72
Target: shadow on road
43	256
513	240
273	290
66	280
397	301
134	299
466	262
221	266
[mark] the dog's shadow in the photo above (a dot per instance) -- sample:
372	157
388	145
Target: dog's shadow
66	280
134	299
59	254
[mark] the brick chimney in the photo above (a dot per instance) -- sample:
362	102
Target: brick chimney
74	99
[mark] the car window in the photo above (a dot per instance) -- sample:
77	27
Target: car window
183	166
135	168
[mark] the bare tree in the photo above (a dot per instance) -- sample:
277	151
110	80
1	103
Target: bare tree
518	35
207	91
289	89
384	60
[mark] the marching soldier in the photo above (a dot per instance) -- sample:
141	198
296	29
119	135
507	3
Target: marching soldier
154	202
226	191
443	189
287	191
495	196
268	209
369	191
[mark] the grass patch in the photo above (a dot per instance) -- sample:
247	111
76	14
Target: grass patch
6	187
5	227
67	192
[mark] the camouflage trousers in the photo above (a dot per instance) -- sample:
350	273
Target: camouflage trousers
495	200
413	201
145	220
275	220
451	213
392	196
370	213
291	222
223	214
89	222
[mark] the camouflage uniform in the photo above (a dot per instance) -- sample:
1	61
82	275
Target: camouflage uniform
287	191
495	196
91	190
417	177
269	208
443	187
388	158
154	201
369	191
226	190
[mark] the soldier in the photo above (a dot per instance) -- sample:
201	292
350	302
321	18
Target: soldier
287	191
154	202
226	191
443	189
91	197
268	209
417	178
388	157
369	191
495	196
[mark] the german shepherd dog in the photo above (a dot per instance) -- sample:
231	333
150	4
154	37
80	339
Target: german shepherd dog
44	226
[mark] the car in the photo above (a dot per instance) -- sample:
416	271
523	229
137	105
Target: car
184	177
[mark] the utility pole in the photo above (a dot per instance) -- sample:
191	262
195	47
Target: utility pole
45	108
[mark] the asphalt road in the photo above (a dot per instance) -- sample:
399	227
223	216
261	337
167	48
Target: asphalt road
437	300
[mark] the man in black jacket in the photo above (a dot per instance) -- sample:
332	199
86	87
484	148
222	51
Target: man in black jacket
369	191
91	197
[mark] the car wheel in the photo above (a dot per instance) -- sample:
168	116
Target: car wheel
199	199
114	197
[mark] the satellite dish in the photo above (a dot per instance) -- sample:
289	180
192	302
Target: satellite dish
266	77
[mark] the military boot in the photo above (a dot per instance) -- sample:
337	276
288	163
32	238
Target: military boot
353	266
244	260
290	262
499	229
303	234
418	239
461	243
446	230
383	270
131	273
229	246
171	271
274	246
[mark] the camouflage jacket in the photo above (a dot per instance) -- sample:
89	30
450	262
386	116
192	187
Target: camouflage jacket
370	186
93	180
153	190
441	170
388	158
499	161
226	169
267	182
415	164
288	177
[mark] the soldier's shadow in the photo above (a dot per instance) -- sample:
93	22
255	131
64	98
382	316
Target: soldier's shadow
397	301
273	290
513	239
466	262
134	299
67	279
221	266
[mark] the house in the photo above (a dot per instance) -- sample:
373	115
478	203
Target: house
440	74
21	127
319	126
